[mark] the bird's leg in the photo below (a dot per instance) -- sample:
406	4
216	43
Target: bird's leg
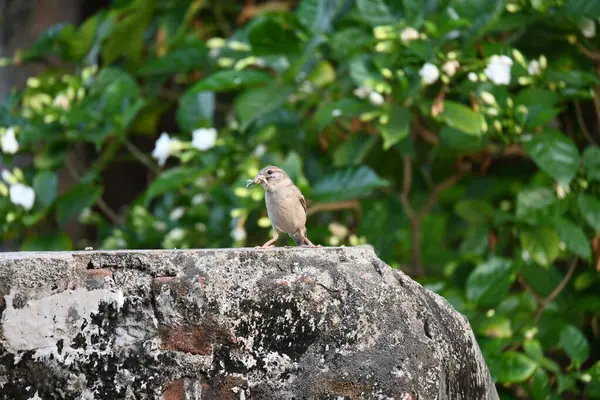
310	244
270	242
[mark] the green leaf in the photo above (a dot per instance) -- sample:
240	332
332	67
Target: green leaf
268	35
354	150
127	36
540	385
350	41
81	43
256	102
591	162
541	244
171	179
397	127
481	14
179	60
575	344
226	80
583	8
195	109
534	350
473	211
456	140
45	185
534	201
317	15
56	241
555	154
514	367
345	108
346	184
489	282
573	237
461	117
380	12
590	208
70	204
540	105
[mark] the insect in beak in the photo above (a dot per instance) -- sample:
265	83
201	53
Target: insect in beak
259	179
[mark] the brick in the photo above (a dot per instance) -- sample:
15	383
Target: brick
99	273
175	390
193	339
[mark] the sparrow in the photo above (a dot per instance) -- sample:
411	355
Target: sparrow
286	205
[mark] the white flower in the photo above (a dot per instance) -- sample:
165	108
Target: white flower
177	213
376	98
260	150
198	199
450	67
7	176
472	76
498	69
429	73
588	28
534	67
455	34
453	14
175	234
409	34
238	233
488	98
204	138
8	142
361	92
163	148
62	101
336	113
22	195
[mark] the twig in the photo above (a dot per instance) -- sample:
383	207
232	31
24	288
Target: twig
414	218
582	124
406	184
108	212
588	53
556	291
341	205
437	191
143	158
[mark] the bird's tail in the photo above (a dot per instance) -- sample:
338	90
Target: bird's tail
299	238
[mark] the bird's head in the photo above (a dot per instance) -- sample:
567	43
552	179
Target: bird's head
270	178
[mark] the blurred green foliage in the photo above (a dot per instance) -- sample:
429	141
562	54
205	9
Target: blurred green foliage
448	134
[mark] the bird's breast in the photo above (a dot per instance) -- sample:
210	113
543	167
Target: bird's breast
285	211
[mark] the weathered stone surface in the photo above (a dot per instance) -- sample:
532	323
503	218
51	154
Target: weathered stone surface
284	323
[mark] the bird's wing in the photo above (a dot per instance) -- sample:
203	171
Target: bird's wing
302	199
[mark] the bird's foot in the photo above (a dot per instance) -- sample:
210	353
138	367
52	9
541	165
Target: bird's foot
310	245
265	246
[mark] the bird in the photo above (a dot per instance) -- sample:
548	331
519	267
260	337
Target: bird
286	205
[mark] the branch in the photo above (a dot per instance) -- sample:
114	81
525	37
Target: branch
417	218
341	205
556	291
588	53
102	205
582	124
406	184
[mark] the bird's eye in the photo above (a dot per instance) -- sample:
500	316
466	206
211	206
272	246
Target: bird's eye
270	171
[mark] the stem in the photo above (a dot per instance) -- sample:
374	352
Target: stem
556	291
102	205
582	124
143	158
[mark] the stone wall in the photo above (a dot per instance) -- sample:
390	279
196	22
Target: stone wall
283	323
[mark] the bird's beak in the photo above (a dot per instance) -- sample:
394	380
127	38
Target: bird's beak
258	179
